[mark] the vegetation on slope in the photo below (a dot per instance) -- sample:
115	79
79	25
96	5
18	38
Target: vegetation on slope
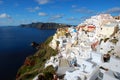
34	64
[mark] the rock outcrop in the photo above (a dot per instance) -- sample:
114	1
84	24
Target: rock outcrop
34	64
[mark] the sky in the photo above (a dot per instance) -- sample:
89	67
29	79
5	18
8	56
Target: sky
16	12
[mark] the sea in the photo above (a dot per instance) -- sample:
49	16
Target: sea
15	47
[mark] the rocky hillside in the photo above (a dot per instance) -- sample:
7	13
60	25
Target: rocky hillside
75	52
34	64
41	25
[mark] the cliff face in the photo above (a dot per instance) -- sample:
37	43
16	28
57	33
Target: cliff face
41	25
34	64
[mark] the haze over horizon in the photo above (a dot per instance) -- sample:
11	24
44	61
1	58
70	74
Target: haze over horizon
16	12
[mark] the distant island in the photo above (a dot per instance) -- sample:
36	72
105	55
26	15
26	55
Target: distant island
41	25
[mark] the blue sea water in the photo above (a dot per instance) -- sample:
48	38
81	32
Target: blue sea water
15	47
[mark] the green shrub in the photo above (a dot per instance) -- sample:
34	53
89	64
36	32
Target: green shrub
105	40
40	57
48	40
114	41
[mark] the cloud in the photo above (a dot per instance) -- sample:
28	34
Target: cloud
113	10
25	21
43	1
1	1
74	6
5	19
77	20
42	14
84	10
83	18
71	18
55	17
4	15
33	9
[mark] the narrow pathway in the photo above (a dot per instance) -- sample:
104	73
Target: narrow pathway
63	63
63	67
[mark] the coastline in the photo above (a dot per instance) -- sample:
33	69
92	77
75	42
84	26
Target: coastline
15	47
35	63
